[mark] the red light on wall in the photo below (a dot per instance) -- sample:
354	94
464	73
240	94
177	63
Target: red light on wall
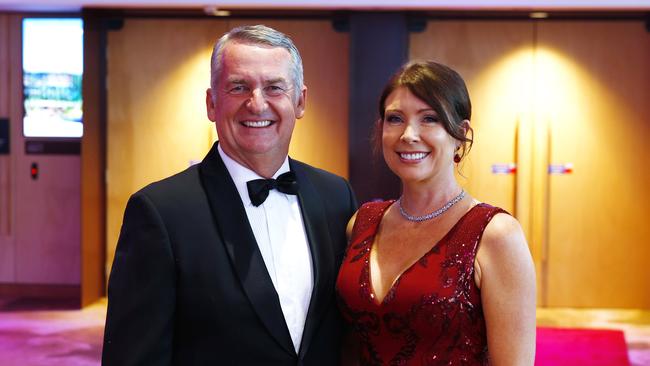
33	171
560	169
504	168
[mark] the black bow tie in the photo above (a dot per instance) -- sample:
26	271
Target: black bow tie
258	189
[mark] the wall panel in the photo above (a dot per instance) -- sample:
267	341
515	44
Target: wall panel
572	94
158	72
496	61
597	79
320	137
93	163
47	209
6	201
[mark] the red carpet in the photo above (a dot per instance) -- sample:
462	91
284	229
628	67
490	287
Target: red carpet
571	347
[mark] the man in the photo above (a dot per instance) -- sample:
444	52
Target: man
206	273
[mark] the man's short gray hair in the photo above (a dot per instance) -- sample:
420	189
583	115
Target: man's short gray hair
257	35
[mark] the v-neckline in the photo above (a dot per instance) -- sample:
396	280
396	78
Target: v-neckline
393	286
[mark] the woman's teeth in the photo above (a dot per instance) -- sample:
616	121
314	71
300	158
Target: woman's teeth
413	156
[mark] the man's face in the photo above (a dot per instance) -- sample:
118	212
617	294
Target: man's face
254	105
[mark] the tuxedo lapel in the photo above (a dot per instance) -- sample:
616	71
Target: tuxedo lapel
320	243
239	241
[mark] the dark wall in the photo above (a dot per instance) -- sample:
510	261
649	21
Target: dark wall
378	47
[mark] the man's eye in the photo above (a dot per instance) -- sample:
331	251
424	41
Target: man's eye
239	89
274	90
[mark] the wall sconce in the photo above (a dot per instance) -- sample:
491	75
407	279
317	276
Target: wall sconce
216	12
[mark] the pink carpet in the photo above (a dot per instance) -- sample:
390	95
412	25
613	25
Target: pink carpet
46	333
32	336
571	347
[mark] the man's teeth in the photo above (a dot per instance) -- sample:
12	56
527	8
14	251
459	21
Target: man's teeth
413	156
257	124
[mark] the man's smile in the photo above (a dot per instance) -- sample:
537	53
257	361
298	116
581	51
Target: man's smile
257	124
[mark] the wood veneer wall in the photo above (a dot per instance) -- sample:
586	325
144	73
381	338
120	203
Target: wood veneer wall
158	72
6	201
93	162
578	91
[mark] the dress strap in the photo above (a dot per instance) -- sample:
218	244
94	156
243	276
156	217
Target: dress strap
462	246
479	219
368	217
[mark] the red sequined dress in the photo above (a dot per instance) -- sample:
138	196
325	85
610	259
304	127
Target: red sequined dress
432	315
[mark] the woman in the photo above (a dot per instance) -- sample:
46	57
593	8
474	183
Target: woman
435	278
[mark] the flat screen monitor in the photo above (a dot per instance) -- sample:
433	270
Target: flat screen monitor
52	75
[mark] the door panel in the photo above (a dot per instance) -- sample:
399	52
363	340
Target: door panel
320	138
48	234
44	220
6	201
156	102
579	92
496	61
494	58
596	88
156	106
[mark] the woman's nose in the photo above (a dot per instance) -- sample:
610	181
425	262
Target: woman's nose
410	134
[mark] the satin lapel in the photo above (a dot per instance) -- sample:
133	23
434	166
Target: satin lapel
320	243
238	238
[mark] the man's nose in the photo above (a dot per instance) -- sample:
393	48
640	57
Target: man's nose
257	102
410	134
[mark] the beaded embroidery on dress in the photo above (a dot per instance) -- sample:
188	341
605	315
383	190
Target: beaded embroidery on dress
432	315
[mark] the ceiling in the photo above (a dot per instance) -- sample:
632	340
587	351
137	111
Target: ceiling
449	5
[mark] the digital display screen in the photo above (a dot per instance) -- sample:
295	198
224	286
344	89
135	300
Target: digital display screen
52	75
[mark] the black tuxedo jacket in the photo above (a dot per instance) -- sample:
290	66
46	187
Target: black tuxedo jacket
189	286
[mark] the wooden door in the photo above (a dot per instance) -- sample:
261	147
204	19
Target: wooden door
573	95
496	61
158	72
6	201
494	58
594	90
40	233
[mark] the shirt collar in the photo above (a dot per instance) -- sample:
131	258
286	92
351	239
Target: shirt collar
241	174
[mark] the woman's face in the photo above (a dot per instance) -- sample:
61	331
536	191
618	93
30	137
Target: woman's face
415	144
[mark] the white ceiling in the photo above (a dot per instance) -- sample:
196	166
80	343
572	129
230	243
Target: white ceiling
75	5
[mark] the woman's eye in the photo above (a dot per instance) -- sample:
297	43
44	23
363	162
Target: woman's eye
393	119
430	119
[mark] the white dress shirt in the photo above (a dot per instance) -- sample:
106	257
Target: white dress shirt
280	234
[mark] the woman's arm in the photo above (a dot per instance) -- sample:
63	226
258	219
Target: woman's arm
348	229
506	276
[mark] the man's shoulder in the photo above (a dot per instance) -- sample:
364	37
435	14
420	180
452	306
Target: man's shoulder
181	183
317	173
334	189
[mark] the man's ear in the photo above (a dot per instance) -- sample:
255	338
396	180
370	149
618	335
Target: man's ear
209	105
300	104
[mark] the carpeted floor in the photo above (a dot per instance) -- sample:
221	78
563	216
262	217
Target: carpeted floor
33	333
580	346
635	324
32	336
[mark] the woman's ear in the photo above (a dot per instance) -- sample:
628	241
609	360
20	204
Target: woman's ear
464	124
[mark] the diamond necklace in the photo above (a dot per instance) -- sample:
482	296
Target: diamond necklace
433	214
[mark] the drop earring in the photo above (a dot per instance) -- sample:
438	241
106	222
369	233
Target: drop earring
456	158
